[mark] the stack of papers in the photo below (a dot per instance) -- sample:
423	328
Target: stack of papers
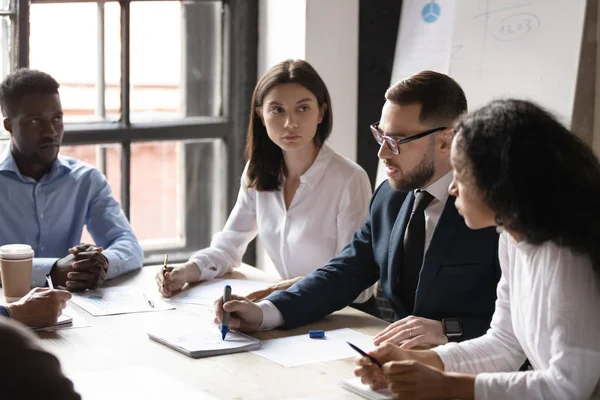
117	300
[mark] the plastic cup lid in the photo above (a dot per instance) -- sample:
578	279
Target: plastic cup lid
16	251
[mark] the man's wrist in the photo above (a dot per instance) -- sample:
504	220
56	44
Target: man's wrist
459	386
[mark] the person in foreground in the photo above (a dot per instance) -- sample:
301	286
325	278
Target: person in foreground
29	372
517	167
435	272
47	198
302	199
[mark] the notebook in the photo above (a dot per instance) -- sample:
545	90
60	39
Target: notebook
357	387
63	320
206	342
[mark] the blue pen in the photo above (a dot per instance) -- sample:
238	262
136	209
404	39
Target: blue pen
225	322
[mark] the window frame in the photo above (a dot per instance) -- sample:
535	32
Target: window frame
240	48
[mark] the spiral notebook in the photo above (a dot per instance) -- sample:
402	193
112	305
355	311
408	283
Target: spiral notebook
205	342
357	387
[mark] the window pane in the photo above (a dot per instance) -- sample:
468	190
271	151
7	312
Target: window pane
6	54
157	193
64	42
173	77
4	4
177	195
107	158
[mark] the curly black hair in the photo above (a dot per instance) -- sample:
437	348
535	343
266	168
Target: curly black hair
21	83
540	179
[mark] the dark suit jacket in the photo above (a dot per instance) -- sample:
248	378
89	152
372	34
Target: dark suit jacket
458	278
31	372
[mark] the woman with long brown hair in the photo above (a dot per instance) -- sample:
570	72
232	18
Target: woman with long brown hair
302	199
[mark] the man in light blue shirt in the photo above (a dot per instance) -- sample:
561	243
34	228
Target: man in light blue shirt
47	199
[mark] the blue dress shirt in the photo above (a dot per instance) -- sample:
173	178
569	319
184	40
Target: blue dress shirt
49	215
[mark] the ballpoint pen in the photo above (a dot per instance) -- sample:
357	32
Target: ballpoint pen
150	302
362	353
225	322
164	268
49	280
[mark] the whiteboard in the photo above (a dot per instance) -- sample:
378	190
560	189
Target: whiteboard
527	49
519	48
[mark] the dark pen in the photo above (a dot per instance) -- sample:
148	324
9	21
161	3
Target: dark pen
373	359
164	268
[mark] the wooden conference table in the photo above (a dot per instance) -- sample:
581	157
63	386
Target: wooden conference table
119	341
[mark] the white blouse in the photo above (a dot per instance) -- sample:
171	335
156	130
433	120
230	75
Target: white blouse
548	310
330	204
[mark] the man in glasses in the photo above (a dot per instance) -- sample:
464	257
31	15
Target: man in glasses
439	276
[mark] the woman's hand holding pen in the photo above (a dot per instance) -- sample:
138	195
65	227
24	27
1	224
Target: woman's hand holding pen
175	277
410	374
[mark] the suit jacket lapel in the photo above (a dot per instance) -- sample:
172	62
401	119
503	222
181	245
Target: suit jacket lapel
439	245
395	247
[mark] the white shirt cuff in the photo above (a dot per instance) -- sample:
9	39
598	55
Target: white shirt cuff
272	317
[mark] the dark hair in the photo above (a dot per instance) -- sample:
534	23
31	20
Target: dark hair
540	179
266	164
442	100
21	83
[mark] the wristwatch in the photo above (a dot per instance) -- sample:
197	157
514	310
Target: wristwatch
452	327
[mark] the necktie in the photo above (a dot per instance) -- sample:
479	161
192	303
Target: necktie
414	248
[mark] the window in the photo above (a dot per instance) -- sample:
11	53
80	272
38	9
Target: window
156	95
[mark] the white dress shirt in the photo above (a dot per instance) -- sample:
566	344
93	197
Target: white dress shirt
433	212
272	317
330	204
548	310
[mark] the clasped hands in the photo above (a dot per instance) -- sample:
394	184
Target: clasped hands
84	268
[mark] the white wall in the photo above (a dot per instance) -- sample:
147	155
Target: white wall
324	33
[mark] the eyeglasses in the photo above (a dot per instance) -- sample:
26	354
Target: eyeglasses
393	142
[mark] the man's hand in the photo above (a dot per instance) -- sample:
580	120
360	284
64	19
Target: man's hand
244	316
173	280
413	331
84	268
40	307
261	294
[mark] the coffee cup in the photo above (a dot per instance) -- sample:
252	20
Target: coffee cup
16	262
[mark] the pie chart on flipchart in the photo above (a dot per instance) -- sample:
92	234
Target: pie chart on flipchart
431	12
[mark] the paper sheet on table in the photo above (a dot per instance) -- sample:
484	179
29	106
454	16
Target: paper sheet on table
208	292
138	382
116	300
68	319
300	350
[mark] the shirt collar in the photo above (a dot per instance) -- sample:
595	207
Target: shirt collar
439	188
8	163
314	173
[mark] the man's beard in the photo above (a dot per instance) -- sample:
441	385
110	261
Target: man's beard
418	178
